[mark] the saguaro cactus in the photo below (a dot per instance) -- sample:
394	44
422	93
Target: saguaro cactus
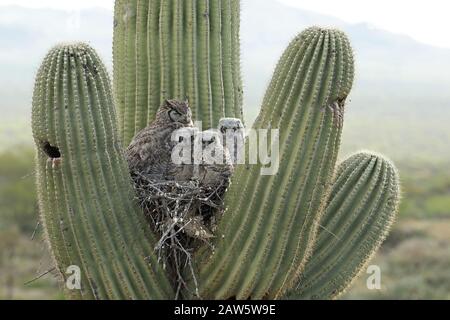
360	211
176	49
85	192
271	221
272	224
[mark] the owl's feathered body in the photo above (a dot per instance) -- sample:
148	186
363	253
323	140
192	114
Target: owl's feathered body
150	152
216	167
233	137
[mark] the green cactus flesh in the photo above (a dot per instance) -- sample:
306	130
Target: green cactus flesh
176	49
270	222
84	188
360	211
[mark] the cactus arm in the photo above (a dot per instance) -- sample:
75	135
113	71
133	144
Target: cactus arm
185	49
86	198
52	207
361	209
251	258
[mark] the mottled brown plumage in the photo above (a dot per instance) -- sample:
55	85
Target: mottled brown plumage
151	149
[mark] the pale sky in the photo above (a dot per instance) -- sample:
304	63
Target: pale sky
61	4
426	21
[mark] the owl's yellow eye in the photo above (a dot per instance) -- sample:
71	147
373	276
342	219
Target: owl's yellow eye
174	115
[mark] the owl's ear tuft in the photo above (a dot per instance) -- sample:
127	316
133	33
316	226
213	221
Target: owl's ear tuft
170	103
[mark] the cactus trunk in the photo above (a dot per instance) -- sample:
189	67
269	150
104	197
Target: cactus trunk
270	223
361	209
85	193
176	49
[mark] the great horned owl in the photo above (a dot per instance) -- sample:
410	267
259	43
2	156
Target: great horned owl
209	162
151	154
216	166
211	168
214	174
182	168
233	137
151	149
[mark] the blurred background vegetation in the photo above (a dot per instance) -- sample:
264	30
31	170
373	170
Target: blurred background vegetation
400	106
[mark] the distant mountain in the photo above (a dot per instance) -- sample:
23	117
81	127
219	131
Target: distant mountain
400	82
390	67
26	36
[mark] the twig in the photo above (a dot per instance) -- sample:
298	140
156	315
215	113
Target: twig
35	230
334	235
39	276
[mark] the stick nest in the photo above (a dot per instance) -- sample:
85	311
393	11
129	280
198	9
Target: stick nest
183	214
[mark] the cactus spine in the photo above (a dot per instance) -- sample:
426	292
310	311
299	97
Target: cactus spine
271	221
176	49
360	211
85	197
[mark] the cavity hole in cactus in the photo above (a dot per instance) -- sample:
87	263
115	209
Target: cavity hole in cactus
51	151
